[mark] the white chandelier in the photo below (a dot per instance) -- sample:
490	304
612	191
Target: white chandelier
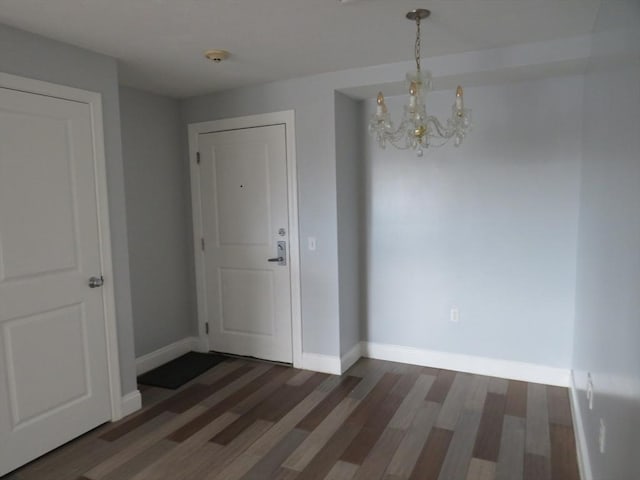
417	130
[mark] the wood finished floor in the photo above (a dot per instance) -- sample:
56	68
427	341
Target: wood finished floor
381	420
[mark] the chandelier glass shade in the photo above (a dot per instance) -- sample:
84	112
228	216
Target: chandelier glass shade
417	129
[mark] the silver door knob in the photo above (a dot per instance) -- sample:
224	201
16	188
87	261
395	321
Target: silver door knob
95	282
282	253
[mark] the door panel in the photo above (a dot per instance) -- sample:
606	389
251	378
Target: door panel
238	315
53	364
242	194
61	337
47	242
243	188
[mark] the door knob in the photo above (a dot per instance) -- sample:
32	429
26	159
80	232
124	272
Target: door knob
282	254
95	282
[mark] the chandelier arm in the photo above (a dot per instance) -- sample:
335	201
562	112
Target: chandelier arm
394	140
400	146
442	143
387	133
397	134
441	130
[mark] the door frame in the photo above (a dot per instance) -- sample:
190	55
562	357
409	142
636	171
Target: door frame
94	101
286	118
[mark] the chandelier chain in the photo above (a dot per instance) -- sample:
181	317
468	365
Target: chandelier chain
417	47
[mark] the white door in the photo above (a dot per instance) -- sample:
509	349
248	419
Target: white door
243	194
54	382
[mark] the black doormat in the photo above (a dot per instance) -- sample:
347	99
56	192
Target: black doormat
177	372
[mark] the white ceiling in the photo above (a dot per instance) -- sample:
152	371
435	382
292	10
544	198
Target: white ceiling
159	43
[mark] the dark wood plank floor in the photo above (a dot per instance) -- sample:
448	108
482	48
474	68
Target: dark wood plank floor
382	420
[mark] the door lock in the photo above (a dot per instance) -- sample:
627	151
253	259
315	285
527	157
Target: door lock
282	254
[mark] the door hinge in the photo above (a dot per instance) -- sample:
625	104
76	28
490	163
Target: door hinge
206	328
202	243
198	158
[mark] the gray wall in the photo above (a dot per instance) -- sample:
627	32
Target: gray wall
607	327
313	99
349	180
157	219
489	227
28	55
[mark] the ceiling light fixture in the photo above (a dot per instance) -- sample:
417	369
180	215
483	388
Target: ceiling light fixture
216	56
417	130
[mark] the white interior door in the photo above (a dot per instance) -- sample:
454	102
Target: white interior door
243	192
54	380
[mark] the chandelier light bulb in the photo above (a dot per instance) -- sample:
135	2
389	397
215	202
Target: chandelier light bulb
381	108
459	100
413	91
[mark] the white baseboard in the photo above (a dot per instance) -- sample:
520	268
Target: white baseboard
321	363
513	370
131	402
167	353
528	372
200	344
351	357
584	463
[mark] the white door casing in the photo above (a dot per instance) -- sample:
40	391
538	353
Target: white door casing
243	192
59	372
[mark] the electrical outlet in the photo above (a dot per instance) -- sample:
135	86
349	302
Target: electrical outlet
311	243
602	438
454	315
